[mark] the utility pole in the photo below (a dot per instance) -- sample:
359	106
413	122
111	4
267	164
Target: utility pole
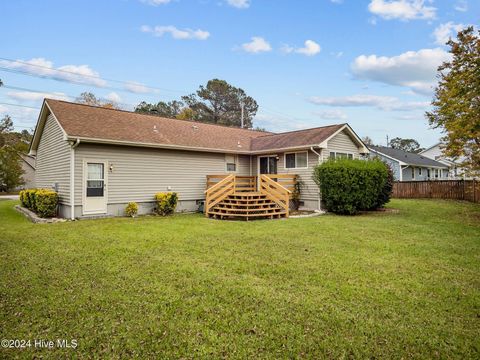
241	119
387	140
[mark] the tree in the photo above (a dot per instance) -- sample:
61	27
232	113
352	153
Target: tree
218	102
409	145
456	103
367	140
6	126
221	103
89	98
171	109
186	114
11	171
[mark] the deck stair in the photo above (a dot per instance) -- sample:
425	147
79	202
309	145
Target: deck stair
247	205
237	198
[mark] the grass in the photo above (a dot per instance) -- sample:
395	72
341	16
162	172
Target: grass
386	285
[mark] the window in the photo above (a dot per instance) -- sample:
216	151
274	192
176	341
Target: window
231	161
340	155
296	160
419	171
95	180
428	173
413	173
436	173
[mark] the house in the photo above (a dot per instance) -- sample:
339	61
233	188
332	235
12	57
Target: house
100	159
409	166
435	152
28	167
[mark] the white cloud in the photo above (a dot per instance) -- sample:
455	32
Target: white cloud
156	2
114	97
178	34
461	5
413	69
444	32
35	96
43	67
311	48
402	9
257	45
239	4
336	1
388	103
137	87
331	114
280	123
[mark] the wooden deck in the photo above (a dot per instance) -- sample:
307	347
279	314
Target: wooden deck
248	197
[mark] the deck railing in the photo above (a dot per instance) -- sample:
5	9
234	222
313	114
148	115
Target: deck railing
275	192
219	191
276	187
249	183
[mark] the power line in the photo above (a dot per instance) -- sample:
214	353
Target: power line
59	94
25	106
128	83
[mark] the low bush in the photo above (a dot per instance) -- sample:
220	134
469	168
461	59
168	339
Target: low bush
348	186
166	203
21	196
27	198
46	202
131	209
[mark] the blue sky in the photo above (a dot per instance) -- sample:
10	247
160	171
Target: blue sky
370	63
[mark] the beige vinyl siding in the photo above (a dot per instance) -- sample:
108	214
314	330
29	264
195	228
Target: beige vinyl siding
341	142
309	190
243	163
138	173
53	160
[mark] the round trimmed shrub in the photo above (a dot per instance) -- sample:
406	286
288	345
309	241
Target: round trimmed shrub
46	202
348	186
131	209
166	203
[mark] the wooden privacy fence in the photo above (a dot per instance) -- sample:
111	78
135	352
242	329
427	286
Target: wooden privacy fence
468	190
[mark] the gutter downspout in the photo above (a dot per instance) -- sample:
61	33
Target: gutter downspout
72	178
319	160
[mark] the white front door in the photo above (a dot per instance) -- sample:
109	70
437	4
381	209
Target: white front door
95	197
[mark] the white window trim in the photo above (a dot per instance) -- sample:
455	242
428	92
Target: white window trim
341	152
235	157
294	168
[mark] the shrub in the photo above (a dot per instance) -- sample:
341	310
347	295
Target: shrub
21	196
27	198
386	193
46	202
348	186
166	203
131	209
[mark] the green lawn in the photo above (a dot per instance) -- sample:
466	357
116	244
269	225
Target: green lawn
397	285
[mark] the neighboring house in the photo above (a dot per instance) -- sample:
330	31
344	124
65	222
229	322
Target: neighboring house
408	166
100	159
435	152
28	167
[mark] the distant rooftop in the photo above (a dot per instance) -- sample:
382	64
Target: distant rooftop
407	157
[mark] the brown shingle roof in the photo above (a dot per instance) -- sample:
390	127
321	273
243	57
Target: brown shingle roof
96	123
294	138
79	120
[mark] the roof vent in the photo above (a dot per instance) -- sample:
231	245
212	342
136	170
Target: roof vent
238	144
155	129
194	127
